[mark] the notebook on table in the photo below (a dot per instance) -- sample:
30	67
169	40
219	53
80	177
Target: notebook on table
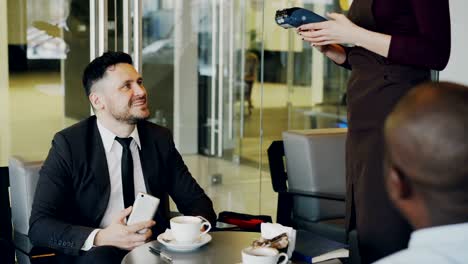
312	248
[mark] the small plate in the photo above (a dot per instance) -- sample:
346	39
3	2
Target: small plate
168	241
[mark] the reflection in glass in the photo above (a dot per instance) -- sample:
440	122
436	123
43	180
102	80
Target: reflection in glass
45	93
46	21
194	65
202	81
300	89
158	60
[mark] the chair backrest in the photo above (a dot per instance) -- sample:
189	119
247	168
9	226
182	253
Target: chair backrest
315	160
24	176
277	168
23	180
6	245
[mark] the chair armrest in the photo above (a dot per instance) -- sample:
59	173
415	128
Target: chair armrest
24	245
277	169
318	195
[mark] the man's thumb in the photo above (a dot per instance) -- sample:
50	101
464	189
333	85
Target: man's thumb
124	213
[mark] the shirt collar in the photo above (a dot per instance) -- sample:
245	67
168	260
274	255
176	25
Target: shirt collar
439	235
108	137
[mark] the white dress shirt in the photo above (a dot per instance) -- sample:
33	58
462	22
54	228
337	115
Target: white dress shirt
441	244
113	151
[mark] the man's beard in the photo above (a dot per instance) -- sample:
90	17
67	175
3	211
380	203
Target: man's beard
127	117
132	120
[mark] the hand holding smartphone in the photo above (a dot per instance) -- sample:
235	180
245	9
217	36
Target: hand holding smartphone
144	208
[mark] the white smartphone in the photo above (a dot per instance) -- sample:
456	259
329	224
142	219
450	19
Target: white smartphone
144	208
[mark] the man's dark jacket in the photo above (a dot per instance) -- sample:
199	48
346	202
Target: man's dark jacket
74	187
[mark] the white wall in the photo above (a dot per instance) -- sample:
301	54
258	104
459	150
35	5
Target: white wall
17	21
4	106
3	47
457	70
185	78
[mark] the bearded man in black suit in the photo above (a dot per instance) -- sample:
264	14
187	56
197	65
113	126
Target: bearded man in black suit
85	193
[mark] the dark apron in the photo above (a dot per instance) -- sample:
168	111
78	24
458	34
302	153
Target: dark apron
375	86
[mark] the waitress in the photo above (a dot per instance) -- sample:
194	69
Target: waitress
395	44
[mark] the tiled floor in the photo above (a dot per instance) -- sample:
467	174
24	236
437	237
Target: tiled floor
241	188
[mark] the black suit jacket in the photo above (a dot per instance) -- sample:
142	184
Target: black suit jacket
74	187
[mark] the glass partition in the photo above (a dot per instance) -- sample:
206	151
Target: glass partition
200	64
195	55
301	88
220	74
48	47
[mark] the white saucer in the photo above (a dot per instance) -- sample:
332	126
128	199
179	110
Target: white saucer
169	242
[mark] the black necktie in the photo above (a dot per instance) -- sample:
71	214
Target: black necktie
127	171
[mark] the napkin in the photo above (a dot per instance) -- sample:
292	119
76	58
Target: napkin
269	231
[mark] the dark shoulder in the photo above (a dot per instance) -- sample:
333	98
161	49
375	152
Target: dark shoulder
80	129
154	131
78	139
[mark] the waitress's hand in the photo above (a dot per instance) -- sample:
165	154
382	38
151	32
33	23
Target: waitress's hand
338	30
333	51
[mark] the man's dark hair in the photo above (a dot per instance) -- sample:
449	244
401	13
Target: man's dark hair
97	68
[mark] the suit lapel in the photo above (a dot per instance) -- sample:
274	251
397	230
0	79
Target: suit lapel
154	174
98	165
149	158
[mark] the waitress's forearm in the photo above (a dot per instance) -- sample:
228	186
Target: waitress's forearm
336	53
376	42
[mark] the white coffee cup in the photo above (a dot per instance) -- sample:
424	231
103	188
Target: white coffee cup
263	255
187	229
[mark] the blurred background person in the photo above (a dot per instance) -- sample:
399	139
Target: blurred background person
250	76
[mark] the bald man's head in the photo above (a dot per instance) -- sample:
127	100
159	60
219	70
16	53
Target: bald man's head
426	138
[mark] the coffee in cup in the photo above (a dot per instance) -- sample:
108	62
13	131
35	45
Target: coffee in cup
263	255
187	229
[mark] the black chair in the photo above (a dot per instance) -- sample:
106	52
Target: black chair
6	238
12	242
286	216
23	178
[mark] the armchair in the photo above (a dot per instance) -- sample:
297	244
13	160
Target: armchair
23	180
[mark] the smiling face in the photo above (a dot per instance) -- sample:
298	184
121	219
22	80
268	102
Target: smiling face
120	95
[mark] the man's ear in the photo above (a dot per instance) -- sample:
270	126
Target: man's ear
397	184
96	101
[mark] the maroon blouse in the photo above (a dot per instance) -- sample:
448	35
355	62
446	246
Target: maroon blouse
420	31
